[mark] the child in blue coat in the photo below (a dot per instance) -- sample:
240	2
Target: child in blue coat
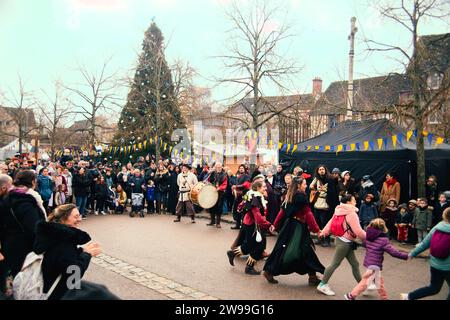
368	211
150	196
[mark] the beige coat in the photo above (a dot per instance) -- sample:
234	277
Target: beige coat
387	193
185	183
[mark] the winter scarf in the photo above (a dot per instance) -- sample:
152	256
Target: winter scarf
391	182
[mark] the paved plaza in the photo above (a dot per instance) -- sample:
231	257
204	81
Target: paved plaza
154	258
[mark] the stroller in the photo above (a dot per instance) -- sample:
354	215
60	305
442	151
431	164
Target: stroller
110	202
137	200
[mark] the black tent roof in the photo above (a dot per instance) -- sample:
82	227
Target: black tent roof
352	132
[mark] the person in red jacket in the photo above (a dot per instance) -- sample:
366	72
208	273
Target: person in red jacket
219	179
294	250
254	225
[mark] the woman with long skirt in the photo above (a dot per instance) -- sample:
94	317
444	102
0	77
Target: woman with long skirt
294	250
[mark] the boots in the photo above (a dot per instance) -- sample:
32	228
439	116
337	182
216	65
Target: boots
178	219
233	254
193	219
213	219
158	207
250	267
313	280
269	277
218	216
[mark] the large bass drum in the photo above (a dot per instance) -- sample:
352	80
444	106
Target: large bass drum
204	195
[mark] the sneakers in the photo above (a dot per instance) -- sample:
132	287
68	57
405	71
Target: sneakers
325	289
372	287
84	218
103	213
404	296
348	296
96	213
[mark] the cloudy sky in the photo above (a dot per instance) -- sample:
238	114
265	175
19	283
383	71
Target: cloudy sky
44	40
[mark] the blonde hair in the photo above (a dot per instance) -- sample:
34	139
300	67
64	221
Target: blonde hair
61	213
379	224
446	215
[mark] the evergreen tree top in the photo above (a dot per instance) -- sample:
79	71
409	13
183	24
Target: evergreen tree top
153	39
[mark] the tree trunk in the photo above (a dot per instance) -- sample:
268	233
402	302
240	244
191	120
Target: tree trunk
20	139
420	153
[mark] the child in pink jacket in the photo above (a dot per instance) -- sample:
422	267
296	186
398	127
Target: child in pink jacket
345	244
377	243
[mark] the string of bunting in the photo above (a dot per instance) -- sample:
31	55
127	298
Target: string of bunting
372	145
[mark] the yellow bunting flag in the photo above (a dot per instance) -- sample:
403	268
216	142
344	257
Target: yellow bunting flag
394	140
352	146
380	143
288	147
165	146
439	140
409	135
327	148
140	145
425	133
279	145
151	140
340	148
295	148
308	148
316	148
366	145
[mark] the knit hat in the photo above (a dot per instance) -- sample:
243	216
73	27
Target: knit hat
344	173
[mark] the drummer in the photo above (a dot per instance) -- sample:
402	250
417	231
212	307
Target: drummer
186	180
219	179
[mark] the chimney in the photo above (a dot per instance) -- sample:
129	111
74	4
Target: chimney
317	86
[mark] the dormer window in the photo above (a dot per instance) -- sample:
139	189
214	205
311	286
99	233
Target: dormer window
434	81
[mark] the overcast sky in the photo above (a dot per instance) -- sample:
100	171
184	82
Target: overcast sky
44	40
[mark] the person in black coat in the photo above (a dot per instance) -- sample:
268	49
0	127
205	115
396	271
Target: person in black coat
173	190
101	195
59	240
81	186
162	186
21	210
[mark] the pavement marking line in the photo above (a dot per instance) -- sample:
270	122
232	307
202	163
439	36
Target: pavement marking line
167	287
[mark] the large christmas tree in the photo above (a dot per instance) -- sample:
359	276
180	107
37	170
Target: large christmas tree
151	109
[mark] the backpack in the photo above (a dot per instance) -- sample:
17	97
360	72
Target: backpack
337	228
29	282
440	244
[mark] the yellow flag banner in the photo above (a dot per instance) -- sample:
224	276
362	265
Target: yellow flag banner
295	148
366	145
288	147
439	140
280	145
327	148
394	140
352	146
380	143
339	148
409	135
316	148
425	133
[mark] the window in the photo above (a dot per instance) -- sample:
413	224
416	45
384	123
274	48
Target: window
332	121
434	81
436	116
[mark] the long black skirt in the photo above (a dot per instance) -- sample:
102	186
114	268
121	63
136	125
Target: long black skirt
248	242
293	251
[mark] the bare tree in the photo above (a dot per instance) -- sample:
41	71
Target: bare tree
97	94
19	108
420	69
54	112
255	62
